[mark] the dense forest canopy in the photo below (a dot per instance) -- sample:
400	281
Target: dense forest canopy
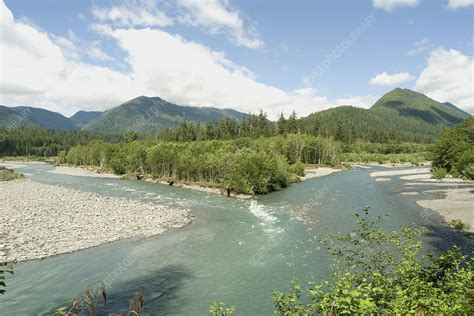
454	151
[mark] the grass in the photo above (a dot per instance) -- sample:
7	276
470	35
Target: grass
458	224
8	174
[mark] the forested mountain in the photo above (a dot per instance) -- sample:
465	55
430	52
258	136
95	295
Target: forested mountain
47	119
148	115
400	115
408	103
23	116
82	118
11	119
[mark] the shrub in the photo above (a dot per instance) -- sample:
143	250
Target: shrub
458	224
382	273
297	168
465	165
439	173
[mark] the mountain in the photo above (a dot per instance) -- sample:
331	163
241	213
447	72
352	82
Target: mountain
9	118
149	115
47	119
400	115
408	103
82	118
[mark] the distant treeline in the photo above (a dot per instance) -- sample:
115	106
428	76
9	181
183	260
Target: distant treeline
36	141
345	124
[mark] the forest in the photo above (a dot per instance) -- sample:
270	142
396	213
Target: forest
255	156
454	151
243	165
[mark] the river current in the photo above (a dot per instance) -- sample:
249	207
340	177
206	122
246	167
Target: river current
235	251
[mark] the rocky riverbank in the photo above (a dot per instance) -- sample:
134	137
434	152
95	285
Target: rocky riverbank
41	220
456	203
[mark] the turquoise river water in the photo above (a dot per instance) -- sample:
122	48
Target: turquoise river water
236	251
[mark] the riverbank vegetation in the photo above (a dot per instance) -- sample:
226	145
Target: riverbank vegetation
9	175
384	273
251	166
5	269
454	151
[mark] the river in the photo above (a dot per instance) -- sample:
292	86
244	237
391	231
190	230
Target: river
235	251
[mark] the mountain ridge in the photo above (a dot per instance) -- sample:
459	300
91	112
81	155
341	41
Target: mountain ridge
150	115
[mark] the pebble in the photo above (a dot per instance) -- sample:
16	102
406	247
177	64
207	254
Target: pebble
45	220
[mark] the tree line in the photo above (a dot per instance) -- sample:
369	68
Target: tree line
345	124
37	141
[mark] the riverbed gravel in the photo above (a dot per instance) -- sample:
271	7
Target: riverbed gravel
41	220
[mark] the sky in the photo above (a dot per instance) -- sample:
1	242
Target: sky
250	55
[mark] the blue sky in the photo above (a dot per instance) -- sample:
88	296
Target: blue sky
247	55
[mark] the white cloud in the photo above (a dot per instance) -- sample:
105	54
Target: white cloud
389	5
218	16
456	4
36	71
73	48
385	79
448	77
95	52
133	13
420	46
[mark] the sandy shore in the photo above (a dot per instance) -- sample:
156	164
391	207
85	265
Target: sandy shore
81	172
458	204
400	172
41	220
318	172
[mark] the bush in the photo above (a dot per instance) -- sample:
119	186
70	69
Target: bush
383	273
439	173
453	150
297	168
9	175
458	224
465	165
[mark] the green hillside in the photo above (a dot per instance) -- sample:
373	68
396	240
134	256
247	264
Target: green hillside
149	115
400	115
408	103
9	118
82	118
45	118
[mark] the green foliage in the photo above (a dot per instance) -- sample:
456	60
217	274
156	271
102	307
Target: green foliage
458	224
454	152
219	309
399	116
439	173
35	141
382	273
244	165
4	269
8	175
297	168
414	158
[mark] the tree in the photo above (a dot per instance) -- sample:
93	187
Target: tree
453	151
